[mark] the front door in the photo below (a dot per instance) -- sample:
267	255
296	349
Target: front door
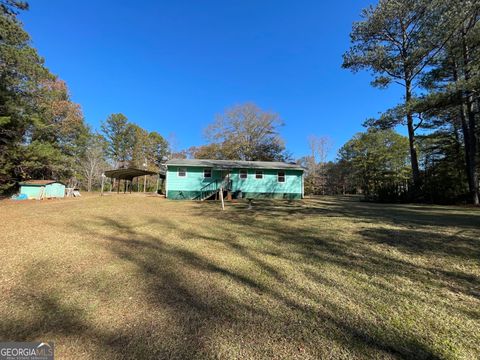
225	176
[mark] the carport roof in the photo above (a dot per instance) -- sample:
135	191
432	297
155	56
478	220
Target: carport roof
128	173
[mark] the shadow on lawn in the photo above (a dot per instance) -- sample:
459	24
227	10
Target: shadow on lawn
258	313
351	207
41	307
424	242
203	312
290	245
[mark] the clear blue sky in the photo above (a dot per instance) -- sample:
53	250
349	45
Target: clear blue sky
170	66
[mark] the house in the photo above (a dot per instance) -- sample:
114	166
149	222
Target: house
202	179
40	189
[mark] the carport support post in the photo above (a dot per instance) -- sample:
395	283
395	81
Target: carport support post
158	181
103	181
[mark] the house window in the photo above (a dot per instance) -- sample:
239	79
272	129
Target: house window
182	172
207	173
259	174
281	176
243	174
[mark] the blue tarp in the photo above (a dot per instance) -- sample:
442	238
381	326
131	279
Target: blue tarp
20	197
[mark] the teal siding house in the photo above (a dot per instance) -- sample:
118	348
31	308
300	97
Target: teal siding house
203	179
41	189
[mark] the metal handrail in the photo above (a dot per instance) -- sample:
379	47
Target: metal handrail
208	189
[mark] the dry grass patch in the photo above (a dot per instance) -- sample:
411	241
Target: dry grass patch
127	276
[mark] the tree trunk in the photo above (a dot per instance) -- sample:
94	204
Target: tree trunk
411	139
472	155
470	136
464	113
469	159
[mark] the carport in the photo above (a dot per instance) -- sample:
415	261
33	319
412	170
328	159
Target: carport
127	175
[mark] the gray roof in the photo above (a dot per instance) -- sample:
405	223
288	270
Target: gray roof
39	182
235	164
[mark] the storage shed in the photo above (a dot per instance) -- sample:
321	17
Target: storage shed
41	189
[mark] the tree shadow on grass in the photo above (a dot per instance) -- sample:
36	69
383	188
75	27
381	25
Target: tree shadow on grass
199	312
363	255
357	211
247	306
422	242
215	309
425	242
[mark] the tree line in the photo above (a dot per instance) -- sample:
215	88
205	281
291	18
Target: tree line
41	129
428	48
43	134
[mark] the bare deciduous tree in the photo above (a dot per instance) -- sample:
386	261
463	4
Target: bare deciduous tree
93	162
320	147
246	132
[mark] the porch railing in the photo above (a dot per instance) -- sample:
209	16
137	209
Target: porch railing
213	187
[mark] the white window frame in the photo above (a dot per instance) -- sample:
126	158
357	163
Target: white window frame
184	171
259	172
240	171
211	174
284	176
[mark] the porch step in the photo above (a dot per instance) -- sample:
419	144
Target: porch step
206	197
213	188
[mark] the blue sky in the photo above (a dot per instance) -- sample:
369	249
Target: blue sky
171	66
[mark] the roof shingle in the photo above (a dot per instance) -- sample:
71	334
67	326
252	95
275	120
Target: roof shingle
39	182
235	164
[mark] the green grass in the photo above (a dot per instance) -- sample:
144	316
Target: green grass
127	276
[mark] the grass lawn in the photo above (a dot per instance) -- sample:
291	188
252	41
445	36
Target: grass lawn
131	276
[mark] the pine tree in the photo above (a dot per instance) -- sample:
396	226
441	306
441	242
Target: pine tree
397	41
120	137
